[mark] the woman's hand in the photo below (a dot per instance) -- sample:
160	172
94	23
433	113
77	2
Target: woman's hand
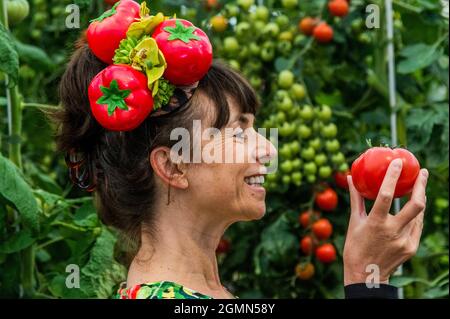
382	239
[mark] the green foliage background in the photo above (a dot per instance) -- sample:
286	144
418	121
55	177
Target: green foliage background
46	224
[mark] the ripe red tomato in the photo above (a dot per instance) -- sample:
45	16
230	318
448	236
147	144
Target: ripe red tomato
369	169
105	33
119	97
341	179
307	245
327	200
322	229
223	247
187	50
338	8
305	217
326	253
323	33
307	25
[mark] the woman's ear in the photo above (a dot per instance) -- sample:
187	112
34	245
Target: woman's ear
171	171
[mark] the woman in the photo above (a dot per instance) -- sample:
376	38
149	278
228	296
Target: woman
176	212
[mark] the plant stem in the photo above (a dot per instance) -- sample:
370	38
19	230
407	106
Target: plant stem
44	107
15	130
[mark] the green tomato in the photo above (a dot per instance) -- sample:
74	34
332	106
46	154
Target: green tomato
441	203
245	4
332	146
262	13
325	171
299	40
243	30
296	178
329	131
289	4
296	164
311	179
357	25
256	81
284	47
282	21
285	79
17	10
307	113
271	29
285	152
343	167
325	113
298	91
286	104
316	143
258	26
280	117
267	54
308	153
317	126
321	159
234	64
271	178
231	10
310	168
295	147
286	167
338	159
231	45
286	179
304	131
254	49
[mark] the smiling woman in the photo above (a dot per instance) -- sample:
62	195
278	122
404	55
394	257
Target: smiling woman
175	209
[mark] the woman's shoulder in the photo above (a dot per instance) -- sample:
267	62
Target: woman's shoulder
158	290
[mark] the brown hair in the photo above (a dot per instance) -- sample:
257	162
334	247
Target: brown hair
118	162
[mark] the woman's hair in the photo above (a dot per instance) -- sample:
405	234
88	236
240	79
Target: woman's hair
118	162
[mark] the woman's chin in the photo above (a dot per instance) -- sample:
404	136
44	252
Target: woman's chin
254	213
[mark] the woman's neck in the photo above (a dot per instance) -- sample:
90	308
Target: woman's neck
182	251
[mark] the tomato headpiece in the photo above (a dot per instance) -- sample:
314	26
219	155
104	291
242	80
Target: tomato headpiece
155	64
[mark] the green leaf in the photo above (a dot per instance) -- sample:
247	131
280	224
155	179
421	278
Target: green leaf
417	56
86	216
9	58
15	190
181	32
34	56
436	292
404	281
17	242
281	64
114	97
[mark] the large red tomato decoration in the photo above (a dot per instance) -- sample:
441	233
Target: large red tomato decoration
119	97
105	33
187	50
369	169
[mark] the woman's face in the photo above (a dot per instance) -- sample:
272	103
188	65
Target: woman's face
231	188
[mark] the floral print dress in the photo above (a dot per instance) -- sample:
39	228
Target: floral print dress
158	290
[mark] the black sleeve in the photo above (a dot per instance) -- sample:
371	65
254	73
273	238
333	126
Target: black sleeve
361	291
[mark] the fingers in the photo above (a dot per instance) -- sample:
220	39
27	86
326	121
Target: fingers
383	202
417	202
358	209
416	231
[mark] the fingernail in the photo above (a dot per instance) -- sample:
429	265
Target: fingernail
425	173
398	163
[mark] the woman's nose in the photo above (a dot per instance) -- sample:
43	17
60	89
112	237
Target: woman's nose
265	150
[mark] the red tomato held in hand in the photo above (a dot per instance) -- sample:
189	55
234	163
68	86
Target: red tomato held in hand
105	33
326	253
341	179
322	229
369	169
187	50
119	97
223	247
327	200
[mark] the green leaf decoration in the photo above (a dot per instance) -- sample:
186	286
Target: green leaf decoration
126	47
16	191
165	92
9	58
107	14
114	97
181	32
145	26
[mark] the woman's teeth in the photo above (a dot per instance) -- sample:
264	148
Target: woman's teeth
254	180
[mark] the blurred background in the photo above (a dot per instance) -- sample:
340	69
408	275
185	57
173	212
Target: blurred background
321	74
